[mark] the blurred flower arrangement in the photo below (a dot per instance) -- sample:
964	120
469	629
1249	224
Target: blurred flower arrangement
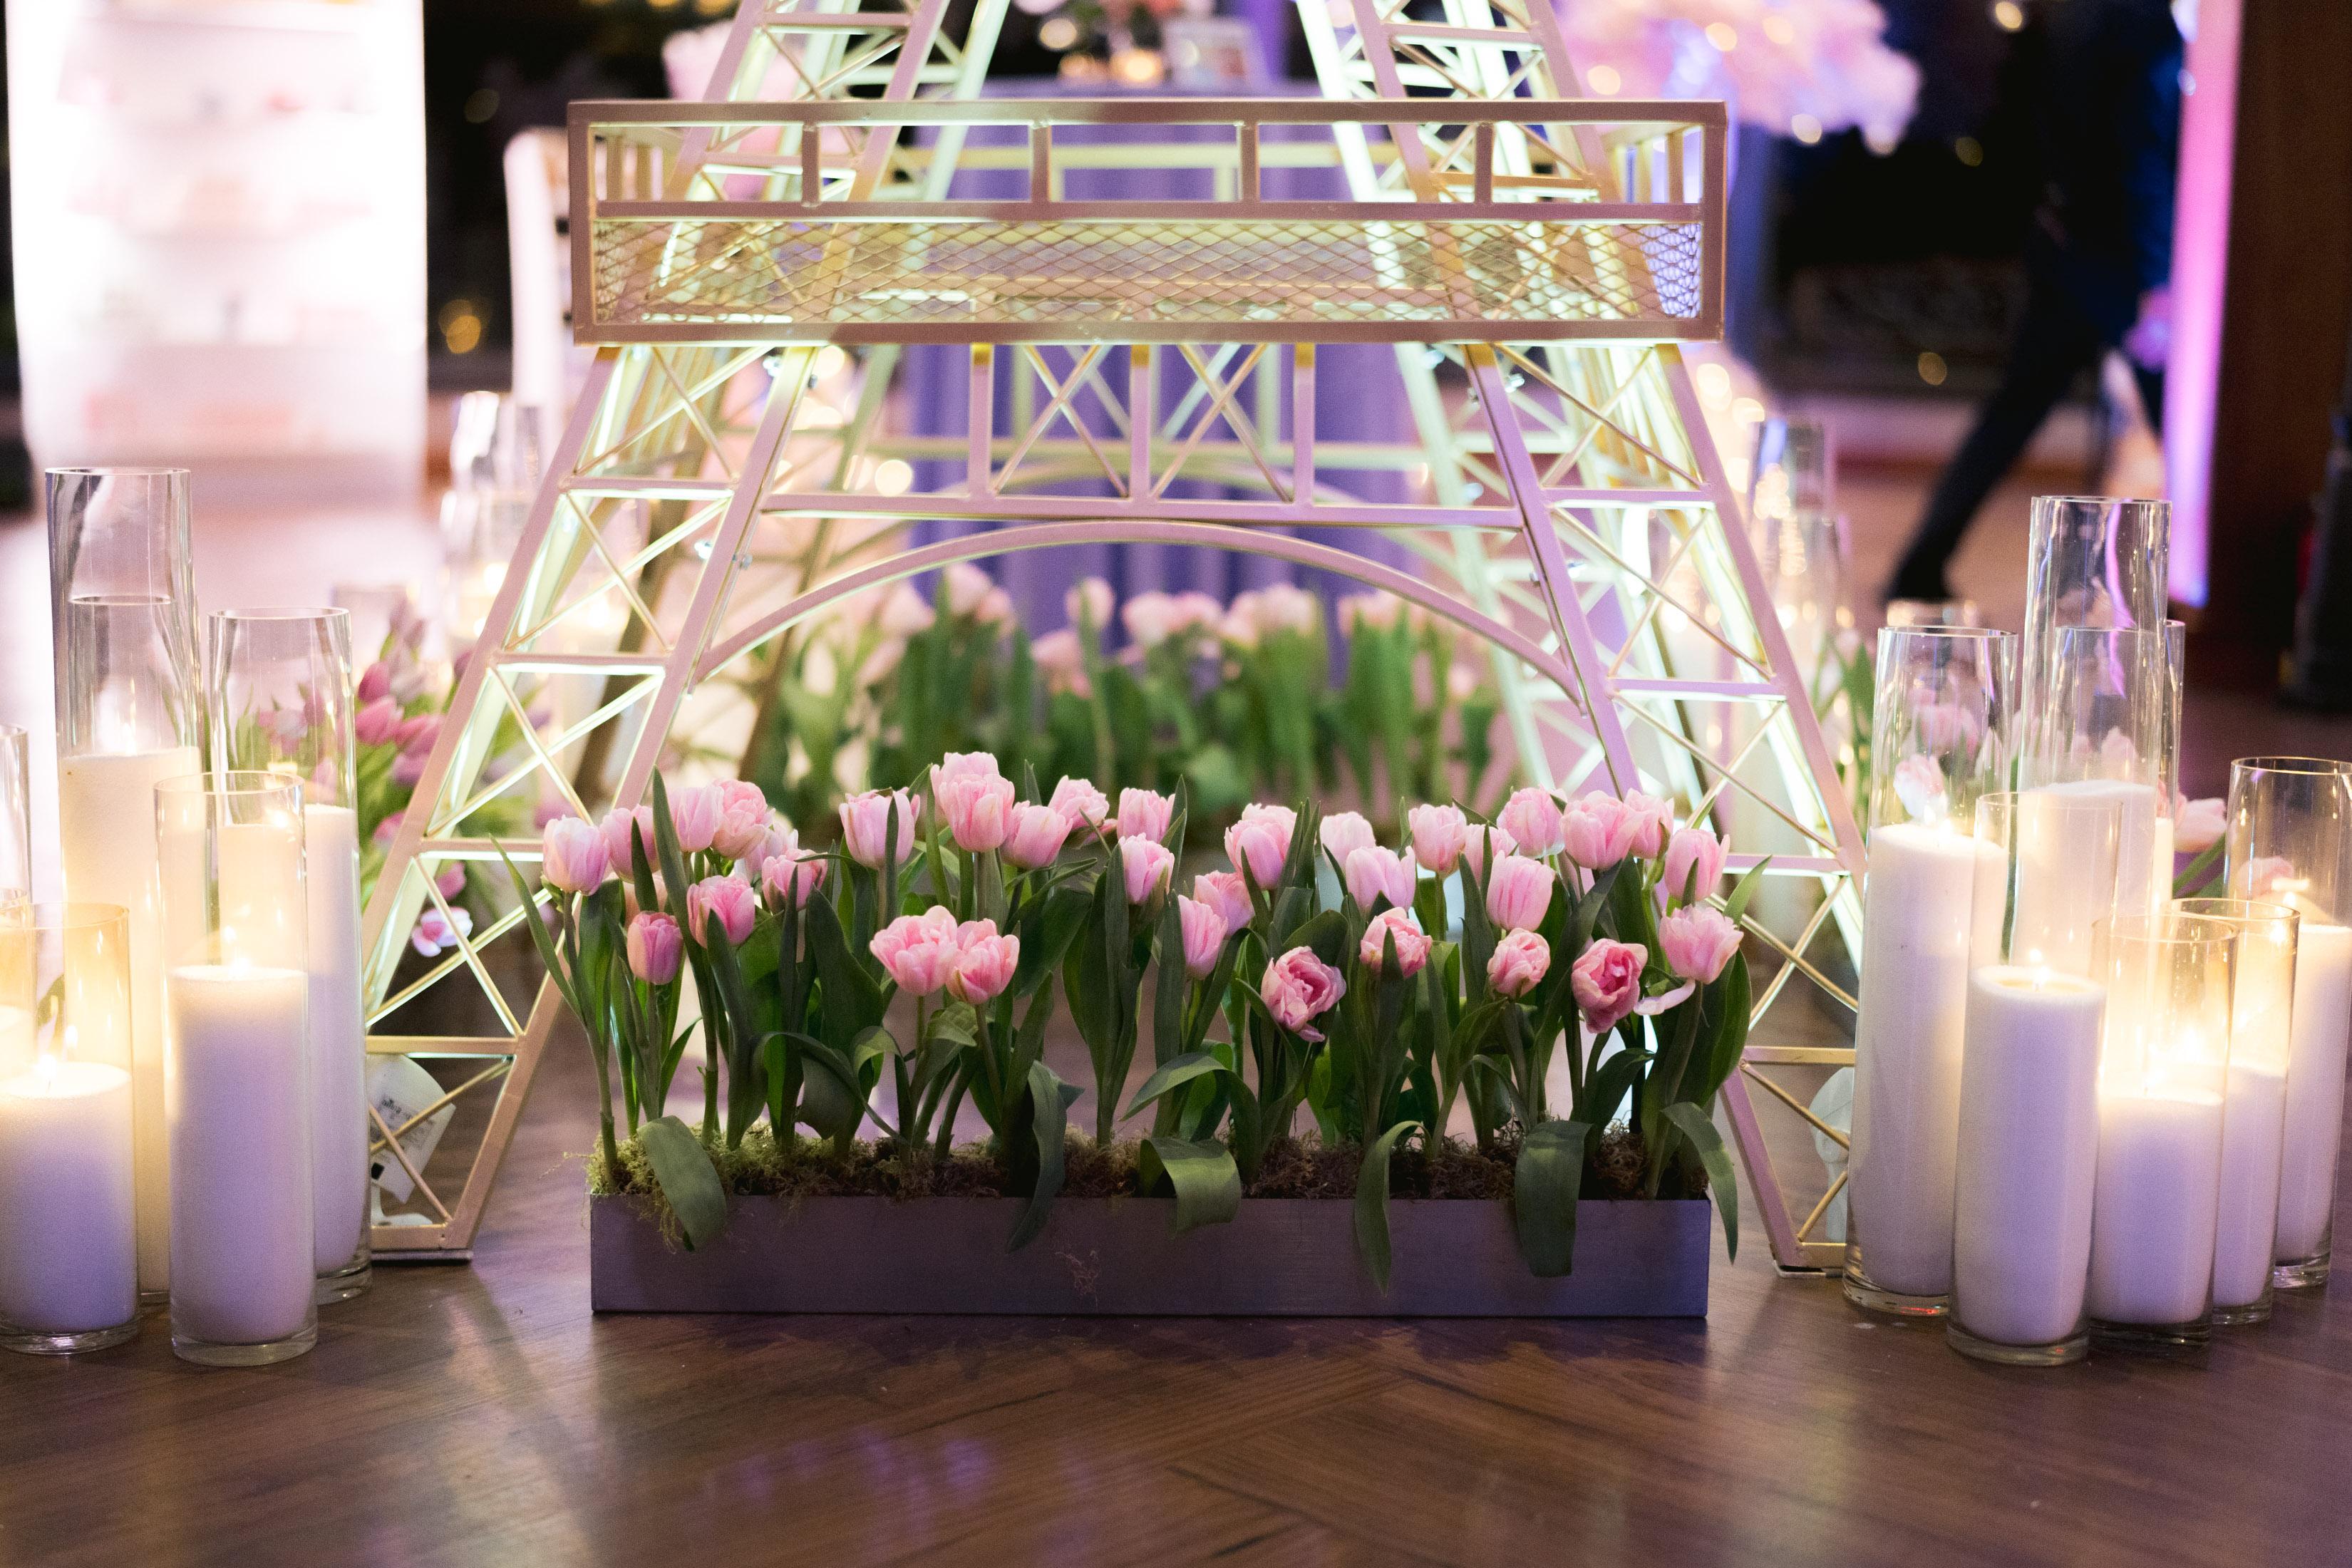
1593	927
1235	699
399	706
1797	67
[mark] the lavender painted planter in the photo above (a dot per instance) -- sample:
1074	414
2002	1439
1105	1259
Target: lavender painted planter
1280	1257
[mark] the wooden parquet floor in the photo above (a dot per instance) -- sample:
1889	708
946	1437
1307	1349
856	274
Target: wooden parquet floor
483	1415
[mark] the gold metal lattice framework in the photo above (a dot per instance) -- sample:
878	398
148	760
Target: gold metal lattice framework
1577	490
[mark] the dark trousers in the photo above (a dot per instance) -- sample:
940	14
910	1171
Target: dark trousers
2062	331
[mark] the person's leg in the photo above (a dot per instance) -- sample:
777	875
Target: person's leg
2151	396
2052	344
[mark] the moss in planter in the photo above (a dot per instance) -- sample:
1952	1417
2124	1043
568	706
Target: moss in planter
1294	1168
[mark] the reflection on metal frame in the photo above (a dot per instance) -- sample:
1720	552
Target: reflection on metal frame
1574	513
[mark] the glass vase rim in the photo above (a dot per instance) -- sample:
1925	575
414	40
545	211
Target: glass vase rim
232	782
2244	911
2287	764
1949	629
2101	500
60	915
2167	630
117	469
279	612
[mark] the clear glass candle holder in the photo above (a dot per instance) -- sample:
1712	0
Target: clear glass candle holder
123	609
69	1217
278	685
2290	842
1941	712
15	817
2253	1120
1906	613
238	1081
2164	1066
2091	560
2028	1116
2108	725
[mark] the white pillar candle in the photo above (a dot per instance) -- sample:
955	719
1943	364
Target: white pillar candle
339	1128
106	821
2029	1142
69	1227
2253	1124
1918	939
2315	1088
2158	1198
243	1240
2144	837
2064	885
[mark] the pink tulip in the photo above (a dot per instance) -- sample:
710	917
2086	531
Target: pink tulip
1697	941
995	609
1282	816
2200	826
1478	840
1080	804
1298	988
1598	831
1089	603
1652	820
1345	832
375	683
1519	892
572	855
1261	845
968	588
2262	875
965	765
919	951
655	948
977	807
786	874
1034	835
1225	892
416	735
408	768
906	614
1150	618
1374	873
694	816
1204	936
1532	817
619	827
376	723
743	819
865	820
451	879
1146	865
1607	982
1394	925
1145	815
1063	663
729	898
436	933
389	828
1691	851
1438	832
1520	962
984	962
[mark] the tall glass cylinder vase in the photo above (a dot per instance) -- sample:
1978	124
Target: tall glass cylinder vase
69	1224
122	608
277	684
2290	842
2091	560
238	1080
2164	1074
2029	1115
1940	721
2109	726
2253	1117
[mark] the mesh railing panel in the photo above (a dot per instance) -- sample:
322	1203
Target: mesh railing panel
953	279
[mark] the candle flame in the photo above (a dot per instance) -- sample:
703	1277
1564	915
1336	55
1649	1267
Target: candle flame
45	1070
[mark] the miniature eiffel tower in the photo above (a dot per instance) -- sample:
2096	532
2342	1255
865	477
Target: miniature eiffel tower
726	253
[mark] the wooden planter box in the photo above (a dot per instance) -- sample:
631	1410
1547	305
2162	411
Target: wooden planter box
1102	1256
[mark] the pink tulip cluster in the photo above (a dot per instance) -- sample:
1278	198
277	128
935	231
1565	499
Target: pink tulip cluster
927	954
